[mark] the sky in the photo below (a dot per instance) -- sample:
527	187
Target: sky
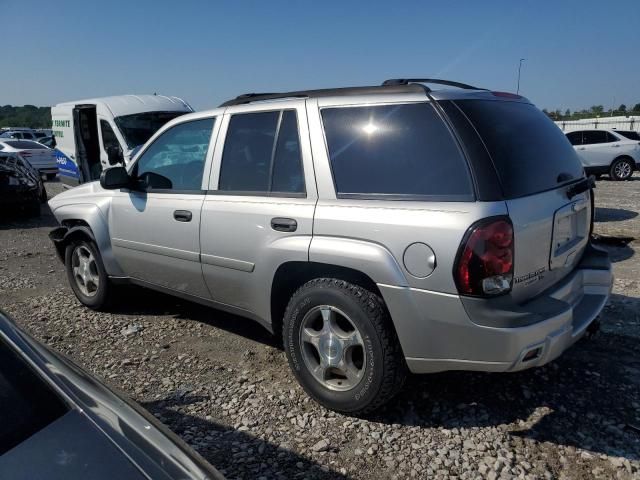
578	53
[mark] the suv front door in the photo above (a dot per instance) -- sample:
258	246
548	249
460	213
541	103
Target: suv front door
155	232
260	211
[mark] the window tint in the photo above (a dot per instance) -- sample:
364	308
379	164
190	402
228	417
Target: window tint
575	138
262	154
394	150
287	164
611	137
630	135
592	137
25	145
528	150
179	154
109	139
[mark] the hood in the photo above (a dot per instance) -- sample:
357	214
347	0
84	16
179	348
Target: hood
85	193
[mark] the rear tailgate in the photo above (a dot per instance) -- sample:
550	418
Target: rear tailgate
537	166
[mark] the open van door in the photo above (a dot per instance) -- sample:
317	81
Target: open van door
87	142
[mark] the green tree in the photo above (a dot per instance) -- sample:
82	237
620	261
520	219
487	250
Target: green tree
567	113
622	108
636	107
597	109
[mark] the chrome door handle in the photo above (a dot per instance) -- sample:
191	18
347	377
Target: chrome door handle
182	215
280	224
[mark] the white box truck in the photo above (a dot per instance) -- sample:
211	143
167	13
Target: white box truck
94	134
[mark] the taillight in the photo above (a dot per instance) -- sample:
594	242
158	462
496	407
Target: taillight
484	265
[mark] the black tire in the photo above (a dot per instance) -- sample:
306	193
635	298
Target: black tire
621	169
51	176
101	299
385	369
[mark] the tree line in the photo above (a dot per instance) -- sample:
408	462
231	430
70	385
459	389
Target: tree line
594	111
28	116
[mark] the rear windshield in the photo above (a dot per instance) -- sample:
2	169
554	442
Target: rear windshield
530	153
629	135
25	145
27	404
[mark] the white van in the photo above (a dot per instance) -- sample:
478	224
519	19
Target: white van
97	133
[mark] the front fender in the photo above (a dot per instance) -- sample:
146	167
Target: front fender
87	218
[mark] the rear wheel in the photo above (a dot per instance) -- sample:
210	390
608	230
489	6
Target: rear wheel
621	169
87	276
342	347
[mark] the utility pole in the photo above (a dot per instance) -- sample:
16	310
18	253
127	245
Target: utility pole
519	68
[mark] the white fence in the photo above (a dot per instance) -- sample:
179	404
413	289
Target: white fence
618	123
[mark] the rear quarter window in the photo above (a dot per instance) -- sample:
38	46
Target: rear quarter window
529	152
395	151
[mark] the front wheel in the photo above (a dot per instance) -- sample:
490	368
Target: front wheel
342	347
621	169
87	277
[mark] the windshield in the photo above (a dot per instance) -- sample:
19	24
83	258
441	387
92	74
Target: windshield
630	135
138	128
530	153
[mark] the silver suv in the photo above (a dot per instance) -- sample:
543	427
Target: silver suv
376	230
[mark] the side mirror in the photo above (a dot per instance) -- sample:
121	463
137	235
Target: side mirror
154	181
115	178
114	155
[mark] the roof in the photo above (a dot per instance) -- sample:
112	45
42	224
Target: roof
131	104
392	86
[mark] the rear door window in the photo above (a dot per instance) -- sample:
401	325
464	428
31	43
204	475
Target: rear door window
262	154
395	151
529	152
593	137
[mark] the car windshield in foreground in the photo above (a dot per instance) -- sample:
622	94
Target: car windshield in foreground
631	135
25	145
530	153
27	403
139	127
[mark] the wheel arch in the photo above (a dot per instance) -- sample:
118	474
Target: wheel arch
624	157
290	276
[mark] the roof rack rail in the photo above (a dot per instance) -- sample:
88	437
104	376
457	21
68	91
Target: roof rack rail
436	81
327	92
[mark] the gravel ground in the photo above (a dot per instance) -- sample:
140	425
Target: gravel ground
221	383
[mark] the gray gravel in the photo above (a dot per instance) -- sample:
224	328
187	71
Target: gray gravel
220	382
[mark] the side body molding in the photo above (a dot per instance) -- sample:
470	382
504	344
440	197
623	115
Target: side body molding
372	259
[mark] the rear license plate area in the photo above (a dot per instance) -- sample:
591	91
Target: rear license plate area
570	232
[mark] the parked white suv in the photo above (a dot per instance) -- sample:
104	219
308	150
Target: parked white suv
607	151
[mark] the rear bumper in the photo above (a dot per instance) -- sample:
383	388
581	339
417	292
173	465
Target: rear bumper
447	332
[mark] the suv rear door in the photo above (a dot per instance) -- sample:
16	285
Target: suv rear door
596	149
259	211
536	166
